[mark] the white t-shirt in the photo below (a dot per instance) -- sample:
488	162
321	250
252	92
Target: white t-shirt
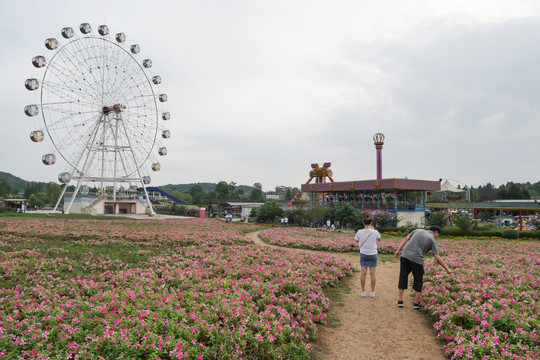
367	240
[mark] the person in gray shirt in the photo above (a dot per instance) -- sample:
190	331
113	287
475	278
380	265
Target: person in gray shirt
412	250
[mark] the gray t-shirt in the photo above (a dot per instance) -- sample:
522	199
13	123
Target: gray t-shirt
421	242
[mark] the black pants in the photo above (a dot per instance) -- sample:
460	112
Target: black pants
418	274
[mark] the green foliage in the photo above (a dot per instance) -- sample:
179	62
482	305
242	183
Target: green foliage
5	188
4	209
348	214
316	213
53	192
296	216
256	194
464	222
222	190
510	234
38	200
437	218
269	211
176	209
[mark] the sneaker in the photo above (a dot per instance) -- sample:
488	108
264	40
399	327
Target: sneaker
400	304
372	294
363	294
416	306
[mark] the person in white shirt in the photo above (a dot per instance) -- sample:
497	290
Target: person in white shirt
368	238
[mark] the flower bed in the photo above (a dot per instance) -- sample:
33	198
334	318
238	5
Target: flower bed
182	231
75	297
491	309
303	238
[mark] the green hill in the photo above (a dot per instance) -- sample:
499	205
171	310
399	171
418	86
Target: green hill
16	182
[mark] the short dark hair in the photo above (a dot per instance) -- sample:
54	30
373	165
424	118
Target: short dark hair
367	220
436	228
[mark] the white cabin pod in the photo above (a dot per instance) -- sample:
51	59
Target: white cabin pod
156	80
51	43
103	30
147	63
135	49
85	28
120	37
162	97
162	151
67	32
31	84
166	134
166	115
64	177
31	110
156	166
38	61
37	136
146	179
48	159
85	190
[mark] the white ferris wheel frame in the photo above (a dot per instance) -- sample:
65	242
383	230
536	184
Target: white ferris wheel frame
121	126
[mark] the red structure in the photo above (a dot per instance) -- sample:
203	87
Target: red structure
320	173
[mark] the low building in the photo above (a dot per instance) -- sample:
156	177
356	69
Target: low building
93	206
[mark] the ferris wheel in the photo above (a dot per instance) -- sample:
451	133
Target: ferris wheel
101	110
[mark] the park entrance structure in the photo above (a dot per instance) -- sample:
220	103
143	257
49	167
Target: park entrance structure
404	197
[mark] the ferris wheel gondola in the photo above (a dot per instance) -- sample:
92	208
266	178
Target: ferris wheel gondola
99	108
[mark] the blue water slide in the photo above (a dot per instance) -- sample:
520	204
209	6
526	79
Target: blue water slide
152	189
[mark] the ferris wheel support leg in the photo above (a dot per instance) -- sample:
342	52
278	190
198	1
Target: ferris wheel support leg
73	197
60	197
92	153
138	168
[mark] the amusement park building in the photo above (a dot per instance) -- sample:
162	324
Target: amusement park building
395	195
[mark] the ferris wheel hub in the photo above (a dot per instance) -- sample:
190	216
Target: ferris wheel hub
116	108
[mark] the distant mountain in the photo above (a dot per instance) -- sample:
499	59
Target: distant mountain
16	182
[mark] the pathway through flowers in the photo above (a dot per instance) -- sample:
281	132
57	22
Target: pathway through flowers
374	328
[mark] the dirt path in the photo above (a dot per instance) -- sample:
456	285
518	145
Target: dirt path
374	328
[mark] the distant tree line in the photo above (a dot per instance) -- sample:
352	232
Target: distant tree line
199	194
509	191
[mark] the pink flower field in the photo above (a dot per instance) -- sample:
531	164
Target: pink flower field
197	289
312	239
193	289
490	310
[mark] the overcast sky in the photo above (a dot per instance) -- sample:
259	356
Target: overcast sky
259	90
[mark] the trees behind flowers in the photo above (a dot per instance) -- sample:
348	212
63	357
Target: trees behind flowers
437	218
268	212
464	222
347	214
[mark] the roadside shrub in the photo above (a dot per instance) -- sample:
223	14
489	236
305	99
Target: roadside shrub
510	234
437	218
465	223
180	210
